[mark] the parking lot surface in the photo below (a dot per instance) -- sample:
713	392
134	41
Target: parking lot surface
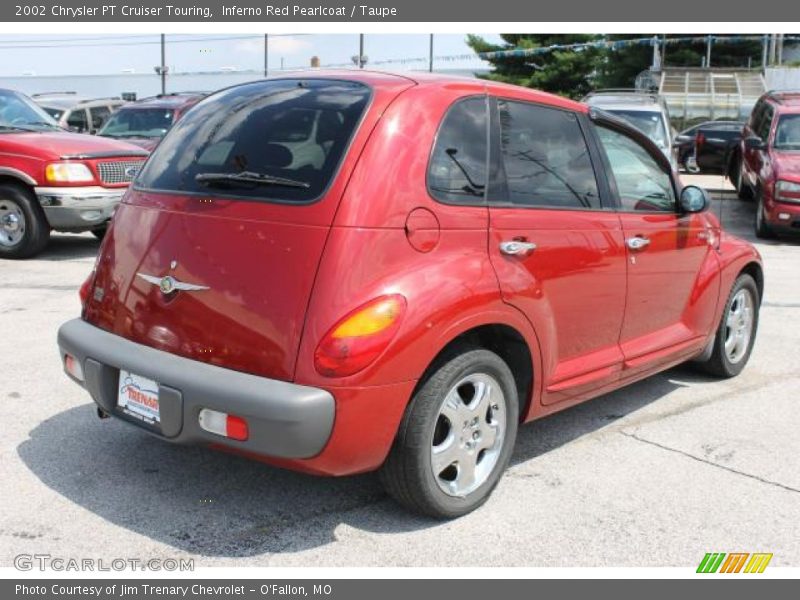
656	474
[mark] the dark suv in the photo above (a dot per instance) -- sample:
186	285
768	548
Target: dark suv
145	122
769	163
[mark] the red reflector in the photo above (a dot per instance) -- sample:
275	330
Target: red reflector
236	428
73	367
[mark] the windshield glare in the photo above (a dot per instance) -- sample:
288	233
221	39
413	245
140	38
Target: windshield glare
787	135
18	112
649	122
139	122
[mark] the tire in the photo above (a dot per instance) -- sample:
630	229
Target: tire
743	189
723	363
761	227
24	230
468	400
100	232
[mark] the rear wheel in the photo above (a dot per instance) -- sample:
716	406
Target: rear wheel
456	437
736	333
24	230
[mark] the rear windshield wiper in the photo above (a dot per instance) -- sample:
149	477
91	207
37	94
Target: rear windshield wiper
248	177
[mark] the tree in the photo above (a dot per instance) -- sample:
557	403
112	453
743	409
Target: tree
566	72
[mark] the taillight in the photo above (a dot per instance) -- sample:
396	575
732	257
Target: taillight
86	288
360	337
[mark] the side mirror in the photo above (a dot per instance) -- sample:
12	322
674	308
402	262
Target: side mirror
754	143
694	199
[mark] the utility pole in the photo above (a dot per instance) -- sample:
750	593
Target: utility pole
163	64
266	54
360	50
764	51
430	55
708	52
779	51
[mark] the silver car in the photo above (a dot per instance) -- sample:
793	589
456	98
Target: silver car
645	110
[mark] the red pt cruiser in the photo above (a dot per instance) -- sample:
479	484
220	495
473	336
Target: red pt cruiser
351	271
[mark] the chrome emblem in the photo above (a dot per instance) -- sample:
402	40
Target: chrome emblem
169	284
131	172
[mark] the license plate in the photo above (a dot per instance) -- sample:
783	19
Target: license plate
138	397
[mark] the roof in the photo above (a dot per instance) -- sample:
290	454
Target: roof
378	79
66	101
785	97
623	99
173	100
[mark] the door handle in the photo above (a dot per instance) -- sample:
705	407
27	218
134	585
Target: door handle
517	248
637	243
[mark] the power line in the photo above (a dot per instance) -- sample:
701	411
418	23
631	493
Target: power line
38	45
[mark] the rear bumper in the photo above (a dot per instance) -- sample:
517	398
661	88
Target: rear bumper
78	208
285	420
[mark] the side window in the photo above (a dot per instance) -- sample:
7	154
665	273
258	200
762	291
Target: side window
642	183
545	157
457	170
756	114
763	126
99	116
77	120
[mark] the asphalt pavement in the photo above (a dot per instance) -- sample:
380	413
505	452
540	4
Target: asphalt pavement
656	474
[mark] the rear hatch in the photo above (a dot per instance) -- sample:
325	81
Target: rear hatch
213	254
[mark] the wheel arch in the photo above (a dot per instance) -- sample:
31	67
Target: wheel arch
755	271
508	343
11	175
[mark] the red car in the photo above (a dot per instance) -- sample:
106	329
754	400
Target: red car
145	122
769	163
51	179
343	272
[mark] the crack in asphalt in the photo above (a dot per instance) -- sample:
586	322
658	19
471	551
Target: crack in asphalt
708	462
781	304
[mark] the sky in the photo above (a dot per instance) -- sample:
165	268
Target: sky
99	54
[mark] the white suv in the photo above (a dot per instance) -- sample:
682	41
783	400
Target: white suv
81	115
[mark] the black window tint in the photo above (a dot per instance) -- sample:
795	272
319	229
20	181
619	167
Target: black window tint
100	115
642	183
276	140
457	171
765	123
77	120
545	157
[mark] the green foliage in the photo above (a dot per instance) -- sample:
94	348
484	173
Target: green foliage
562	72
574	73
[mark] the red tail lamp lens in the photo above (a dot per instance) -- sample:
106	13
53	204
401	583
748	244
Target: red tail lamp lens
85	288
360	337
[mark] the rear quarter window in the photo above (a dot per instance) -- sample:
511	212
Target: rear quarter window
279	140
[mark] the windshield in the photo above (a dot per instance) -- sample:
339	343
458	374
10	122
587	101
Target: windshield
649	122
787	135
53	112
18	113
273	140
139	122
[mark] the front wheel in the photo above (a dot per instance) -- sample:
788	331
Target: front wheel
762	228
24	230
743	189
456	437
736	333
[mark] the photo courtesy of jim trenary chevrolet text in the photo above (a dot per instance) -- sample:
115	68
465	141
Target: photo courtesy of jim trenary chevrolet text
317	299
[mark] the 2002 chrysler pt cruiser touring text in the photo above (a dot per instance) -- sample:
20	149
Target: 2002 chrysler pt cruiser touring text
351	271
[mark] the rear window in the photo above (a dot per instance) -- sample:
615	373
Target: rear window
279	140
